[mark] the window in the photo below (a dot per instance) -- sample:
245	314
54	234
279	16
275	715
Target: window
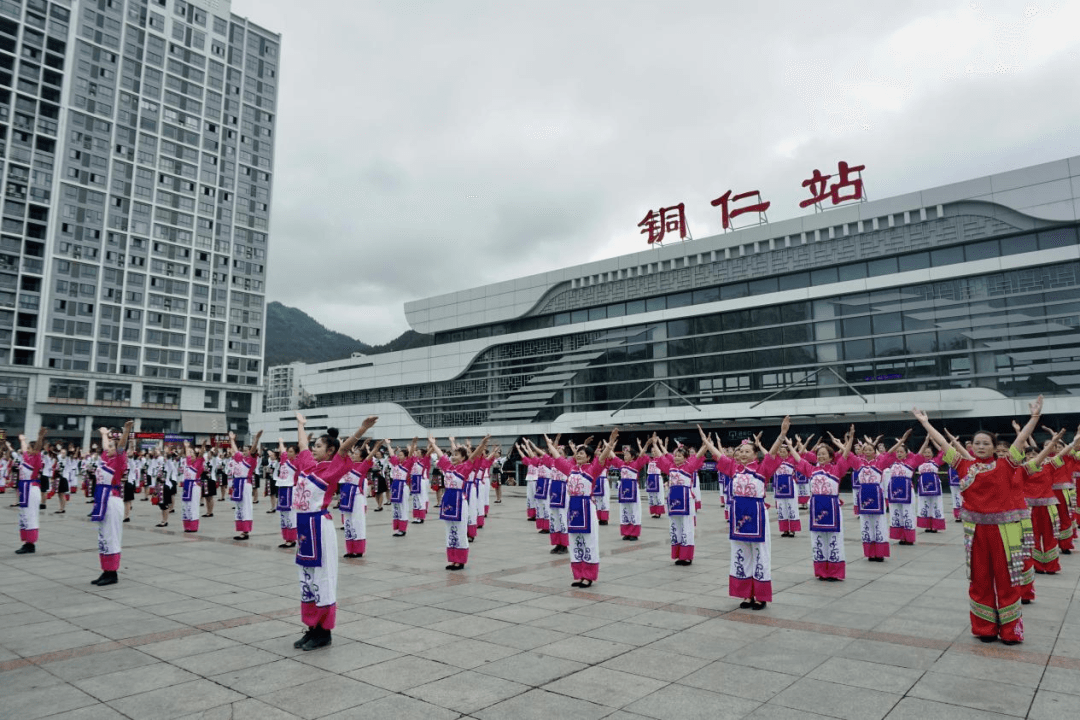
68	390
156	395
112	393
211	399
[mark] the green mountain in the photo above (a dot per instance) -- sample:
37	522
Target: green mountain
292	335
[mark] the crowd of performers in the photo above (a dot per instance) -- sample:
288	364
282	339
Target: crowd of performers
1016	502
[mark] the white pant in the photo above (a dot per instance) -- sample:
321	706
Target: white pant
457	532
319	584
585	547
189	509
630	513
111	527
243	508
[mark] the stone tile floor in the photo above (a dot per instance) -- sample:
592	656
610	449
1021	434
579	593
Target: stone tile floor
201	626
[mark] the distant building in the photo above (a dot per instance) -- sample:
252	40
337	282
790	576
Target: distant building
138	151
964	299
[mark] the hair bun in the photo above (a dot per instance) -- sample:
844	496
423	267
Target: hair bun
332	432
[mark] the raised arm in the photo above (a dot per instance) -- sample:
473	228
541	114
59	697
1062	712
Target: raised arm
350	441
254	449
479	448
122	444
901	441
302	442
936	437
40	439
609	451
433	447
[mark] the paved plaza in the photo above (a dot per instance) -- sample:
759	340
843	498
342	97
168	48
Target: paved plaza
201	626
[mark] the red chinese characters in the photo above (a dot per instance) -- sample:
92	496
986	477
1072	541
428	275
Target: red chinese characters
820	190
728	214
657	224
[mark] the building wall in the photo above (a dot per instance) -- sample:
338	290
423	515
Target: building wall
967	308
141	249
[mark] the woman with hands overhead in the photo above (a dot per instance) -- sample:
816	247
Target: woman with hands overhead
583	473
192	489
319	469
29	490
454	507
824	467
629	495
680	467
750	575
242	483
108	510
992	526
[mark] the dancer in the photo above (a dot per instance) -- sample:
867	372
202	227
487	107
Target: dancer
400	461
243	473
654	482
583	472
191	497
132	477
750	575
825	467
787	505
319	468
108	507
29	491
868	467
680	468
353	505
419	478
931	510
530	482
560	538
899	478
994	542
1064	488
286	479
453	510
630	467
1038	481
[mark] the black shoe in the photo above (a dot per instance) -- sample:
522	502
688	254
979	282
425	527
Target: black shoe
41	506
1011	642
746	604
634	538
401	534
1066	552
164	524
307	636
545	532
1025	601
268	512
576	583
378	509
555	549
240	537
107	578
601	522
987	638
586	583
25	549
681	562
291	544
758	605
320	639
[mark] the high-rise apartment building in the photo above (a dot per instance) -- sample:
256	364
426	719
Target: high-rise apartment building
137	145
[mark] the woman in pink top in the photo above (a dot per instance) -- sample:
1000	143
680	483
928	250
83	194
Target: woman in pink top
400	462
319	469
629	496
108	509
583	472
191	488
29	492
867	473
825	468
243	476
454	507
750	575
680	467
899	479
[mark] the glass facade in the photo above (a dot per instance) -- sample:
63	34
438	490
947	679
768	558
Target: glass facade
965	252
1014	332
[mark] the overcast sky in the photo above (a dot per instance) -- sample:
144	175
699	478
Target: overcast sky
427	147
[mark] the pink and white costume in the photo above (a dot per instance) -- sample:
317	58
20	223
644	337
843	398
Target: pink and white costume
419	478
750	574
243	472
654	487
681	507
530	487
29	496
630	495
191	494
108	511
353	506
316	547
286	479
931	509
557	504
826	520
784	490
898	479
454	509
873	522
582	522
399	493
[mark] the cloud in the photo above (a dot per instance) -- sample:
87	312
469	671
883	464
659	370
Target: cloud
429	147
